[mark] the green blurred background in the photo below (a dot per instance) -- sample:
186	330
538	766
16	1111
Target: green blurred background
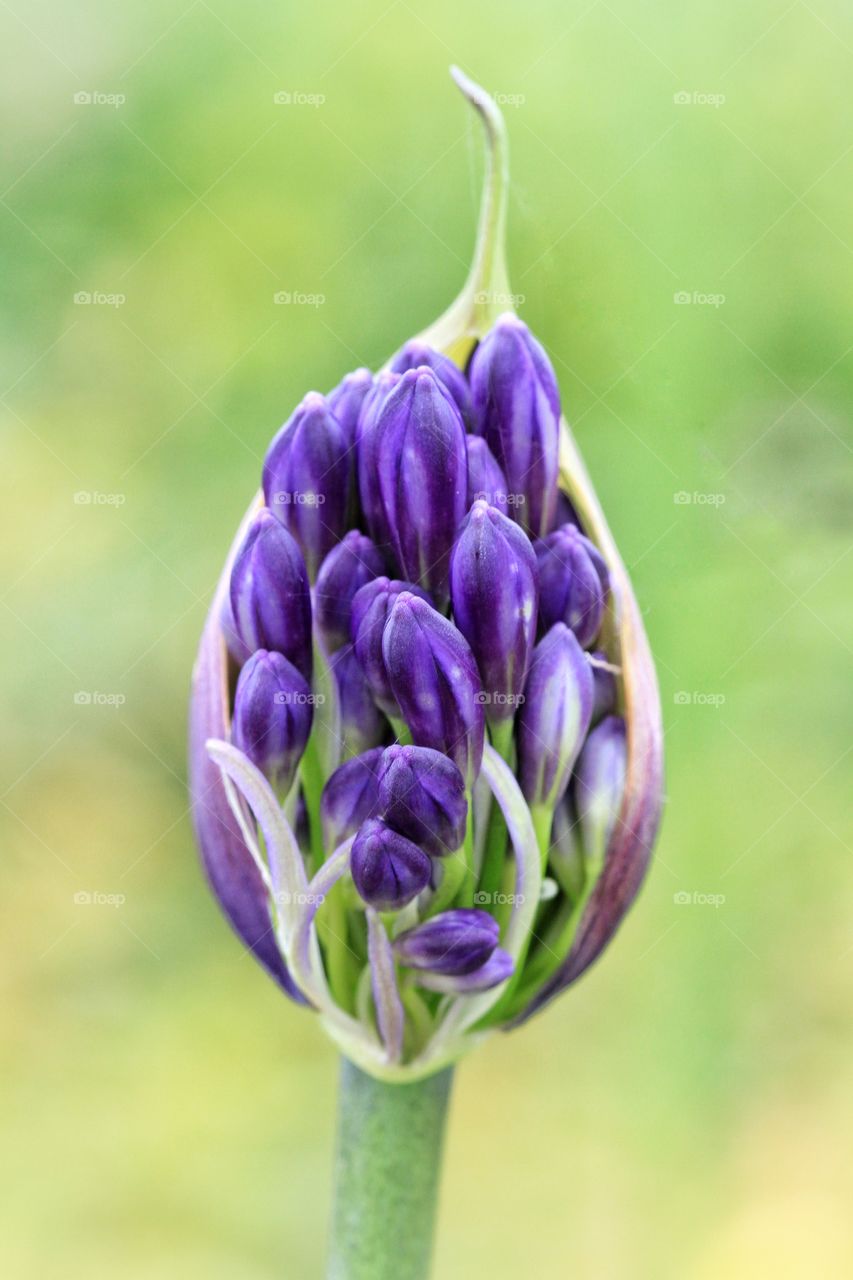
686	1111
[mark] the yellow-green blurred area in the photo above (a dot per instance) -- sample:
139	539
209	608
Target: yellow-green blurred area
680	230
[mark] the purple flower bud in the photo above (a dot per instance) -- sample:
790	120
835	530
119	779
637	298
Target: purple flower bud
272	716
600	783
417	355
270	599
485	478
307	474
517	410
497	969
349	797
387	869
238	650
434	678
565	856
366	459
347	398
371	606
493	591
422	795
573	583
564	513
455	942
554	717
604	686
347	567
417	444
362	723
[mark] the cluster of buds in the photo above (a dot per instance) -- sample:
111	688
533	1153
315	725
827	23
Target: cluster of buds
425	748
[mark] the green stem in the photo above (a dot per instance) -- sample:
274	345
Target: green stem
332	924
387	1168
465	894
494	856
486	292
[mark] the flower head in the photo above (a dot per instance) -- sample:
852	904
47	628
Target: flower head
426	801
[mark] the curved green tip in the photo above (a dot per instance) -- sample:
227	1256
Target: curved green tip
486	292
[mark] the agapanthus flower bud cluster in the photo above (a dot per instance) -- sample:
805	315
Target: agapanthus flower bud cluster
422	754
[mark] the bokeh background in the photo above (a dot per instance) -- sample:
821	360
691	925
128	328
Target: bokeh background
681	233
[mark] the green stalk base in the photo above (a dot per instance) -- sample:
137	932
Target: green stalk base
387	1167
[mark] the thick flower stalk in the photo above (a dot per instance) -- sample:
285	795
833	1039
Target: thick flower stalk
425	733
